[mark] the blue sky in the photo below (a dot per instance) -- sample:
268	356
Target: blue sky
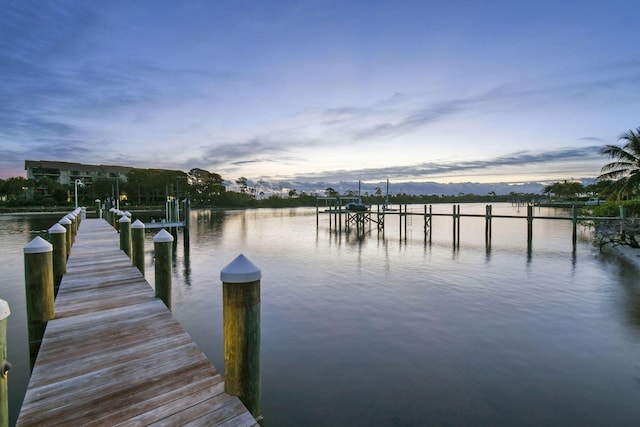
321	91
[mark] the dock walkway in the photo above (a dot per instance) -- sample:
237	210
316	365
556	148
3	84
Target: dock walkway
114	354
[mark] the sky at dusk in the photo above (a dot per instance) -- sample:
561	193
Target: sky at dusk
321	91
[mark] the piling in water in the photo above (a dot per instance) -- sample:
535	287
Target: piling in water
529	227
487	225
4	365
58	238
137	245
66	223
241	326
38	274
185	229
125	234
74	226
163	247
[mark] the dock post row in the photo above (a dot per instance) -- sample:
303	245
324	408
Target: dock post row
241	285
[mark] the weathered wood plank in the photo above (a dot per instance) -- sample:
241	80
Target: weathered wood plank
114	354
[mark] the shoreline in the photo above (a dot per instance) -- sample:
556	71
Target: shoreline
629	254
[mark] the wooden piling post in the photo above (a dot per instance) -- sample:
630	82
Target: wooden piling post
116	218
405	221
529	226
241	319
58	238
453	219
4	365
72	227
163	247
125	234
574	221
112	217
430	222
458	226
98	204
424	221
185	229
38	274
66	223
137	245
487	224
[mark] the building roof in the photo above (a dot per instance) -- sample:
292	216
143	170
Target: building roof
47	164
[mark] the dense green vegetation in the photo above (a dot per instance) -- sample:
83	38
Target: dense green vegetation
624	170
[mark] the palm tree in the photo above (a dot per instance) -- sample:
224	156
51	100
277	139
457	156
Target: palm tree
625	169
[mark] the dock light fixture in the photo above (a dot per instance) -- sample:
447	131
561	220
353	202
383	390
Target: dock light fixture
78	182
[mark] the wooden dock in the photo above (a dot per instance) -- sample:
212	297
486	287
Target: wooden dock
114	354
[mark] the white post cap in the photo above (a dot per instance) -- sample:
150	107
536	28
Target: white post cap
71	216
64	221
163	236
97	200
240	270
112	209
4	309
124	219
137	224
57	229
127	213
37	246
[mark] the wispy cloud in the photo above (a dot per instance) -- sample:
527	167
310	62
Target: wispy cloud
429	170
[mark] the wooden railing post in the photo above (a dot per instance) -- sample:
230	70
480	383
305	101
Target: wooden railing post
125	234
38	273
241	319
137	245
4	365
163	246
58	238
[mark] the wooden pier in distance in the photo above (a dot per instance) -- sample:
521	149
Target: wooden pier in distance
115	355
360	219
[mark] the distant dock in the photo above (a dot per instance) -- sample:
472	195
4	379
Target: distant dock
342	218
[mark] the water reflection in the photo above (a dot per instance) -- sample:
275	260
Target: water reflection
627	274
487	334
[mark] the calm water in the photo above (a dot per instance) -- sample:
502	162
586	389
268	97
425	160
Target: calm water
391	331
